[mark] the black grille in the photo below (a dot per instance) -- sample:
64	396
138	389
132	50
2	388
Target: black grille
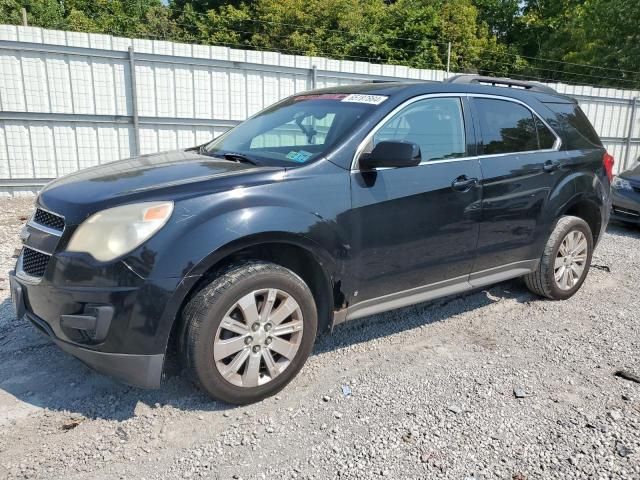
48	219
34	263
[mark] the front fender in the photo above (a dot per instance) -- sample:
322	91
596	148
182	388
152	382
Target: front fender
210	242
300	208
206	243
304	204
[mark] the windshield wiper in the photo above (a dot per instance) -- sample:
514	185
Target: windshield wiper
238	157
232	156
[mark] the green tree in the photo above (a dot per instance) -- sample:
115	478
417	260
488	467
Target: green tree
542	22
584	41
500	16
408	32
201	6
44	13
607	34
117	17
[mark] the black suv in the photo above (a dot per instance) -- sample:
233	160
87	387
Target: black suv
328	206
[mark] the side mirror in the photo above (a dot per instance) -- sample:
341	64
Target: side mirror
391	154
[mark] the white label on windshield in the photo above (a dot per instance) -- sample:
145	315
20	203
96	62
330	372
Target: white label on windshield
362	98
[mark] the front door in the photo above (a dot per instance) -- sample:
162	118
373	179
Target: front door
416	227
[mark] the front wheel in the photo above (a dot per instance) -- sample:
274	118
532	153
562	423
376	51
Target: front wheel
249	332
565	261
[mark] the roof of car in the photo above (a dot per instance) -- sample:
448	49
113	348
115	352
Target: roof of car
413	88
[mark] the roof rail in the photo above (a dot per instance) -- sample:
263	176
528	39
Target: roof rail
501	82
393	80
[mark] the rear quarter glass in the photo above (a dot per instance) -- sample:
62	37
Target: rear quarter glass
578	132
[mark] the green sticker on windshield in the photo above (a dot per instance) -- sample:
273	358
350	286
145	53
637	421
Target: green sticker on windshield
300	156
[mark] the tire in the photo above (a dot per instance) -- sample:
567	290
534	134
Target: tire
543	280
269	356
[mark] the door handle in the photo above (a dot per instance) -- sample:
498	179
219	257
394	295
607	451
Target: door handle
551	165
463	183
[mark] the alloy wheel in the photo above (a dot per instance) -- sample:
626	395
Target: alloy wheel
571	260
258	337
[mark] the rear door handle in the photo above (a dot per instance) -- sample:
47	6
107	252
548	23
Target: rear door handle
551	165
463	183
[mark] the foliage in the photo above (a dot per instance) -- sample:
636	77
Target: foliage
49	13
501	17
583	41
607	35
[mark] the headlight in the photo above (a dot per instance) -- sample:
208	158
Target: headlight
113	232
621	184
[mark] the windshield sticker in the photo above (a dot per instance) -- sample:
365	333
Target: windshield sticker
300	156
362	98
321	96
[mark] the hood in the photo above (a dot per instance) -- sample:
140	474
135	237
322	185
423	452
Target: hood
632	174
164	175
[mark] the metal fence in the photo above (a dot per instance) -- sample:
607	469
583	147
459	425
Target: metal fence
70	100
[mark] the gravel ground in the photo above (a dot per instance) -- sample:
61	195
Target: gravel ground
433	394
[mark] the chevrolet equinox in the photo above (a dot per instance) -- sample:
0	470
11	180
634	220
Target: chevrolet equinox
328	206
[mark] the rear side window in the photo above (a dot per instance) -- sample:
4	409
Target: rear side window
509	127
579	132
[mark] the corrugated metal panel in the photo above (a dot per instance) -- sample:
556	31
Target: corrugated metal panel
186	94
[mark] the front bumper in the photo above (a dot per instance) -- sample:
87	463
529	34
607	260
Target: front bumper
626	206
125	342
143	371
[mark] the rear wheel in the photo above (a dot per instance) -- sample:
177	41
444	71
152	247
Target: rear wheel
565	262
249	332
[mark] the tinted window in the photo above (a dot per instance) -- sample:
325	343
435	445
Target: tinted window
435	124
506	126
296	130
572	120
546	138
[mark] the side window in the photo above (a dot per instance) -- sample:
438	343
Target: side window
545	136
507	127
579	132
435	124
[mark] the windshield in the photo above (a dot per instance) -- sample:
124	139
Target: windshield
295	131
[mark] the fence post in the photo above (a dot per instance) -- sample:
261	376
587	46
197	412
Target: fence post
24	17
314	77
632	119
134	101
448	59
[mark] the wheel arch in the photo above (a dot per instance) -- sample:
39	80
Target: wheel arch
295	252
588	210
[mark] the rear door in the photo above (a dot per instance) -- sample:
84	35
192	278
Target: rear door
418	226
521	166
